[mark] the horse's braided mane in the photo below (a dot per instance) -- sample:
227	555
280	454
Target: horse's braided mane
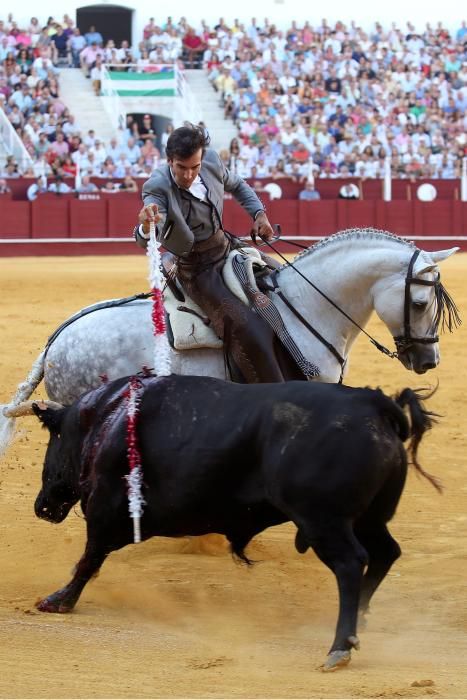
352	234
446	314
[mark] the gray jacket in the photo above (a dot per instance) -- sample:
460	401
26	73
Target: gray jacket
160	189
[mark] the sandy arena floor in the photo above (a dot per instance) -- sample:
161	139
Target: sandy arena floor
160	621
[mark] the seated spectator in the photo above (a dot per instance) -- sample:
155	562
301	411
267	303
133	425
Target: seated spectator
4	189
86	186
69	168
128	184
309	194
59	186
349	191
88	57
193	48
131	151
11	169
37	188
110	187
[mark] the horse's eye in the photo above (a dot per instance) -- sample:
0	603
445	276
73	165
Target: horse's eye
419	305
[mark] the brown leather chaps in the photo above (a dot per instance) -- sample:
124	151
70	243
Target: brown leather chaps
249	340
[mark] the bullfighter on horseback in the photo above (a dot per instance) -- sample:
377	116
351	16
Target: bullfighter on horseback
185	200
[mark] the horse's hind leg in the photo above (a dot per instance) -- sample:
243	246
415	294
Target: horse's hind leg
335	544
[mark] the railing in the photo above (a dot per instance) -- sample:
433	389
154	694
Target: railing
13	144
112	102
187	107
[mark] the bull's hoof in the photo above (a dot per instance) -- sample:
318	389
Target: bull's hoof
335	660
52	605
213	544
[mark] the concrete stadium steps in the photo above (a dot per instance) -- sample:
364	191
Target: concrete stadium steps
77	94
221	130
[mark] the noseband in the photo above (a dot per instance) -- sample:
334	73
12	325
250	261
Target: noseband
404	342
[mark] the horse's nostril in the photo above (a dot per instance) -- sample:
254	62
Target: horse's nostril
429	365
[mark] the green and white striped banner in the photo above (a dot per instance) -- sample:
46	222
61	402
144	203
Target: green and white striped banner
157	84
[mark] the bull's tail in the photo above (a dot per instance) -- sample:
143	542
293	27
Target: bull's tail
421	420
9	411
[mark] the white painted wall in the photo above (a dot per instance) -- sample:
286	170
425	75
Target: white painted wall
280	12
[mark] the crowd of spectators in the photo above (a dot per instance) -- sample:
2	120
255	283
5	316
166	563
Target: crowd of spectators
335	101
308	101
30	61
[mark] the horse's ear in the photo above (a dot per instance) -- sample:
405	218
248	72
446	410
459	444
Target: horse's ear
440	255
422	266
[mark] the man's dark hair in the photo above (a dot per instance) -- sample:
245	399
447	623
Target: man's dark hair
186	140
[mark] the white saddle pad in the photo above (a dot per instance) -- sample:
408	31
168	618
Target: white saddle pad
188	329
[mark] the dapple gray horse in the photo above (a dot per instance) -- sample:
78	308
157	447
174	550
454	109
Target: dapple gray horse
325	300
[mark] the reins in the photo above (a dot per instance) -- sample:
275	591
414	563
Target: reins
379	346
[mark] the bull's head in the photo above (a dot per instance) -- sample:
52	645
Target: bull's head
60	487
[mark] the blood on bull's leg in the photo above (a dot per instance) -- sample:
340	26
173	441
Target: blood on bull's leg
64	600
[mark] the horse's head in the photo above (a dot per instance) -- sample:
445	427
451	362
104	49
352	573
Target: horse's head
414	305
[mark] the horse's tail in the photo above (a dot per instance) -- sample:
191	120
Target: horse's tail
9	411
421	421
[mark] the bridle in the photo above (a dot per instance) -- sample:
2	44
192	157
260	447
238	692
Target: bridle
404	342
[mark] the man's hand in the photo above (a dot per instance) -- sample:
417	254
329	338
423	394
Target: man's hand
262	228
147	214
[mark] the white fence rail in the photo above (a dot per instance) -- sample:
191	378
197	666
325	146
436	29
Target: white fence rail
12	143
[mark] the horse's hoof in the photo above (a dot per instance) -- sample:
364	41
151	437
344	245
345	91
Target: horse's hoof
52	606
335	660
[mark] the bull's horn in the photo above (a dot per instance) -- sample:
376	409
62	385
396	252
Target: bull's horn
25	408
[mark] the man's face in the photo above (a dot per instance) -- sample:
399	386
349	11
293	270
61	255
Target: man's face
186	171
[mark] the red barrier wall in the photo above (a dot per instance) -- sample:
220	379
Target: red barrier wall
114	216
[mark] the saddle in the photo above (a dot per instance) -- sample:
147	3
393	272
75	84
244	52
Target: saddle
187	325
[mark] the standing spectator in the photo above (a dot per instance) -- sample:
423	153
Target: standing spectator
97	72
93	37
77	43
60	47
147	131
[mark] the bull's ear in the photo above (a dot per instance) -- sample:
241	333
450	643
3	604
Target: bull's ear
50	418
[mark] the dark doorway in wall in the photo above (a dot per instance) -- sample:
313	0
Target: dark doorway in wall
112	21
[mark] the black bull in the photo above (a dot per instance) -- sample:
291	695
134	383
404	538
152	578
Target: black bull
236	459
